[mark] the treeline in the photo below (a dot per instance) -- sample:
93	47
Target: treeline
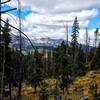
64	62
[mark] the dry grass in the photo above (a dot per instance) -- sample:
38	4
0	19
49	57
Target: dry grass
28	92
84	81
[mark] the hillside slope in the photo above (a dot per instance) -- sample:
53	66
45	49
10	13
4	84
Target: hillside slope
83	86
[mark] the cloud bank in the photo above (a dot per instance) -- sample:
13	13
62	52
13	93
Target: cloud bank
49	18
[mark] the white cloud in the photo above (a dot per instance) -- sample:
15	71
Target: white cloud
84	23
50	25
76	5
83	15
61	5
82	36
52	15
41	30
52	6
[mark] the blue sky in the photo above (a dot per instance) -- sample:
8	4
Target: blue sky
46	18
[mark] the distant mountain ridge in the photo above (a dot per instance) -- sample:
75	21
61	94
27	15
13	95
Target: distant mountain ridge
47	43
37	42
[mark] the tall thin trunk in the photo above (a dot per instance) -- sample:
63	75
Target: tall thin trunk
3	73
20	44
10	96
87	37
35	88
19	90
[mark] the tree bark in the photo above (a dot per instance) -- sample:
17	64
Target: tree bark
35	89
19	90
10	95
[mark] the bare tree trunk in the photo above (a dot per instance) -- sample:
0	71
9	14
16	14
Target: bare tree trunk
35	89
19	90
10	97
2	83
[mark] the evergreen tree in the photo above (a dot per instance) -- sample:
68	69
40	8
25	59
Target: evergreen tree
60	59
44	93
75	31
15	54
96	59
6	39
74	42
30	68
80	61
62	64
39	71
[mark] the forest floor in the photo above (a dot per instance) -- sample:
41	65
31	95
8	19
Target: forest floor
79	88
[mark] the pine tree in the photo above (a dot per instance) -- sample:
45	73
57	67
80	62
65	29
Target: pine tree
74	42
96	60
38	73
81	61
6	34
75	31
43	93
6	39
60	58
62	64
